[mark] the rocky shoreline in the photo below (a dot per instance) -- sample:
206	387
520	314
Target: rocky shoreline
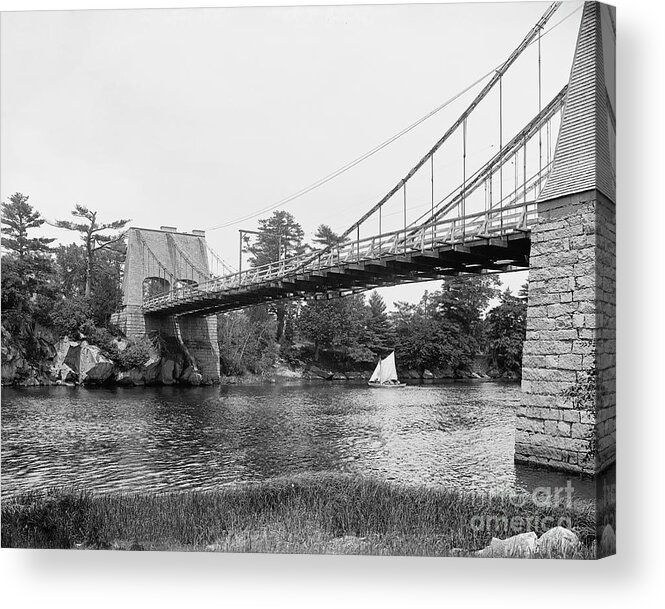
43	359
40	358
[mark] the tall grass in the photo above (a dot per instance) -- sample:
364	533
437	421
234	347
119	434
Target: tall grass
321	514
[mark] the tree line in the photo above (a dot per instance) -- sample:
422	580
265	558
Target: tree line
75	288
447	329
72	288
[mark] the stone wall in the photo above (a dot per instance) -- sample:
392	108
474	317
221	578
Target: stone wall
130	320
567	419
199	335
606	334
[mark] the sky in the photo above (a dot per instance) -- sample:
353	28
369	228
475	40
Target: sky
199	118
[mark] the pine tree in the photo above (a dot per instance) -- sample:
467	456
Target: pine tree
379	329
325	236
28	285
280	236
92	236
18	216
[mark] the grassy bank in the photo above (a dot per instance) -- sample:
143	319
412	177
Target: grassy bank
323	514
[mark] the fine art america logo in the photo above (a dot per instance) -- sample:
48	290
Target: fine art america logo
542	498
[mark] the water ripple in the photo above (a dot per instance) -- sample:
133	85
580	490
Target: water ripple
458	435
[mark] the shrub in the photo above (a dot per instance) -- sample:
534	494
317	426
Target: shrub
136	354
104	340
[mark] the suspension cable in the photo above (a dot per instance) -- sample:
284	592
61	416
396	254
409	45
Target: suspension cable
496	78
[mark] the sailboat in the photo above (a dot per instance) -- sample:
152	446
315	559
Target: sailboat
385	374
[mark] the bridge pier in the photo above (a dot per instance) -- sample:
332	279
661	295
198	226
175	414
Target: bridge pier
567	419
199	335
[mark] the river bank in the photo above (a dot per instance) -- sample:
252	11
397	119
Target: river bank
40	357
324	513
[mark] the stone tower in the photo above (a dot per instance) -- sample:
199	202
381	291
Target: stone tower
158	261
567	420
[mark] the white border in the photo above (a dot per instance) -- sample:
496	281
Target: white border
114	579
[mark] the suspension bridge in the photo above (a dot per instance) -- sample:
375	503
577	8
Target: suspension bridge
544	202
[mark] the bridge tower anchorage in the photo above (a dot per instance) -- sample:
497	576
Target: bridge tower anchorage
161	262
567	420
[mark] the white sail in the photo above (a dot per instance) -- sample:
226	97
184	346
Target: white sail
376	375
388	371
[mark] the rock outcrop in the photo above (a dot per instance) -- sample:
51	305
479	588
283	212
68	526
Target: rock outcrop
88	363
57	360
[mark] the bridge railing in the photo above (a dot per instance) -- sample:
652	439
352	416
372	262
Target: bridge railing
440	231
484	224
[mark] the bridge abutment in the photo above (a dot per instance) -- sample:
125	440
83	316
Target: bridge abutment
567	419
157	261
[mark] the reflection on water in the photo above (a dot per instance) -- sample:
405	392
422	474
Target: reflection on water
459	435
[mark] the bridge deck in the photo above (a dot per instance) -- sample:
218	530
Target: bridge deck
472	245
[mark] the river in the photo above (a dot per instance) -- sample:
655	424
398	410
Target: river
455	434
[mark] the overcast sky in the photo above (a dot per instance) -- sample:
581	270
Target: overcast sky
196	118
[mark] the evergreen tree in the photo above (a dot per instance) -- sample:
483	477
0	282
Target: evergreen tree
325	236
280	236
18	217
28	285
524	291
379	330
93	237
71	265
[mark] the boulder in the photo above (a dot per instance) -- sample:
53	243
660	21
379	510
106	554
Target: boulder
151	369
61	349
88	362
11	367
559	541
412	374
59	370
427	374
339	376
324	374
133	377
66	374
166	372
191	376
523	545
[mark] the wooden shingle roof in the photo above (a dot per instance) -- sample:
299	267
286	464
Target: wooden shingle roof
585	155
